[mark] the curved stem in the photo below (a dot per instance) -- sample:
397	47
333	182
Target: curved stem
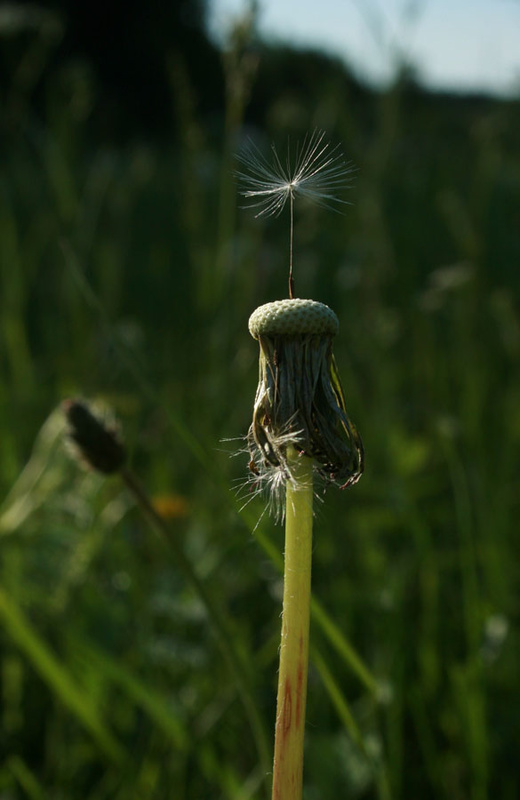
223	634
294	648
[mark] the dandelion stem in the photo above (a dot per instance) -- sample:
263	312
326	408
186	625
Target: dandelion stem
294	649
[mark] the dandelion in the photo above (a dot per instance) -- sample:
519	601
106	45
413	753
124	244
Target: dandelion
300	427
317	172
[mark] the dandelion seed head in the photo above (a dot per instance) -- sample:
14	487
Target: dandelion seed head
299	401
293	318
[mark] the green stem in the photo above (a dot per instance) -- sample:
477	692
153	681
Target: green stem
294	649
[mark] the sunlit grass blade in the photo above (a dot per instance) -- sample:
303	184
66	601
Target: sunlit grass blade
25	778
342	646
164	715
57	677
37	480
338	699
319	615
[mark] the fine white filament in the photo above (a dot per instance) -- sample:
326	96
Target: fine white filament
317	172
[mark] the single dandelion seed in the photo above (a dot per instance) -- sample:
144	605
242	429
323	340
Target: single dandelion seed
317	172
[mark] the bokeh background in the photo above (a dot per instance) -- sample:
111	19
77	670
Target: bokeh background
128	273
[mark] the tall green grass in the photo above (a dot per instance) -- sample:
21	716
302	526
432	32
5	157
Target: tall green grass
129	274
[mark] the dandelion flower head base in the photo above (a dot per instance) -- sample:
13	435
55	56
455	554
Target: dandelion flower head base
293	318
299	400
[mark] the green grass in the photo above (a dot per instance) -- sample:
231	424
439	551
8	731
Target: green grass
129	274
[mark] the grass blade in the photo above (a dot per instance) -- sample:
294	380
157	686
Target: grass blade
59	680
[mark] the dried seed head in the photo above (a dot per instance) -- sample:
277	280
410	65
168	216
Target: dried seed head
98	443
299	400
293	318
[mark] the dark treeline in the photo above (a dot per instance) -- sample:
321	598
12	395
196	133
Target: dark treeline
142	62
128	50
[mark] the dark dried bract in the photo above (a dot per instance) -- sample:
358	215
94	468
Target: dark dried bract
98	443
300	402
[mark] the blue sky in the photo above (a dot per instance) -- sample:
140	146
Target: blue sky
455	44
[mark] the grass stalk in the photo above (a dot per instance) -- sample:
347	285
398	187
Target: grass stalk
223	634
294	649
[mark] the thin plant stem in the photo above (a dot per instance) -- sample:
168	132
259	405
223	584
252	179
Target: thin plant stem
294	648
291	242
224	636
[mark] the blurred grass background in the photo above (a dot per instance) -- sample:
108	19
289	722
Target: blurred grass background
128	273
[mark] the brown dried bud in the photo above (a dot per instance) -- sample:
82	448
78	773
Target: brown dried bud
299	401
98	443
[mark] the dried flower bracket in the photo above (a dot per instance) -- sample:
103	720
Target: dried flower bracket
299	400
300	426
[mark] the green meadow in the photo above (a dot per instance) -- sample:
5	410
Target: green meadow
128	273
